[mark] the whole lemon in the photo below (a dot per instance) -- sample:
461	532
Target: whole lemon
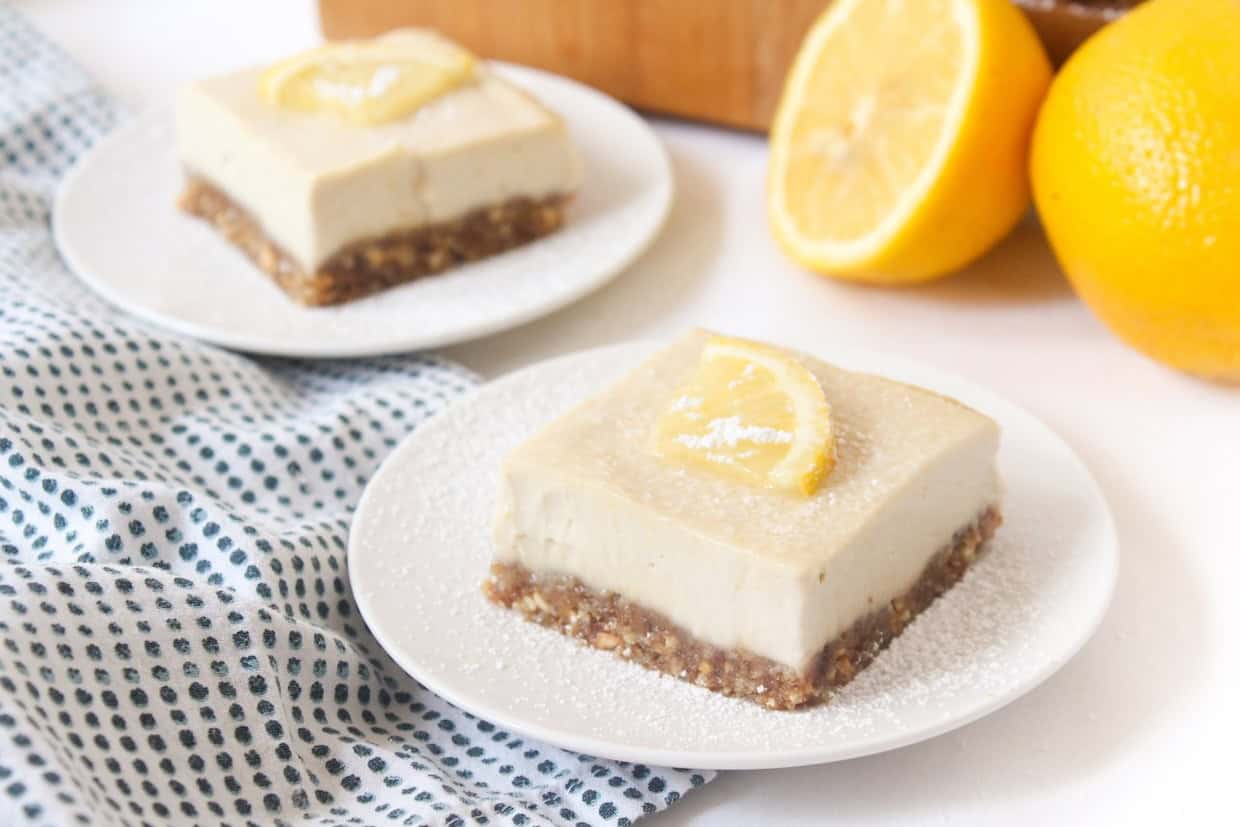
1136	176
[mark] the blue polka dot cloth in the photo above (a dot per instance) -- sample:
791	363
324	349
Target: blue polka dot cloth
178	643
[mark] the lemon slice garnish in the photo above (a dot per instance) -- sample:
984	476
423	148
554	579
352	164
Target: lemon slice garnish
367	82
750	413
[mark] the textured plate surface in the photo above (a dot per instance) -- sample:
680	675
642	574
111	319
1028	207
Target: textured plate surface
117	225
420	546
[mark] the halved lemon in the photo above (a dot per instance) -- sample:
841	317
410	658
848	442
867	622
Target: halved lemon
898	149
368	82
750	413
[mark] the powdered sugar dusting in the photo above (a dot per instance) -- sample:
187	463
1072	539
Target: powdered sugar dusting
729	431
383	79
422	546
381	82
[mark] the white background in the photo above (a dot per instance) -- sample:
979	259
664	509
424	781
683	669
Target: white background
1142	725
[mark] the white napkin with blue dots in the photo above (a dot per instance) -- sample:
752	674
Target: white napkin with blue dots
178	643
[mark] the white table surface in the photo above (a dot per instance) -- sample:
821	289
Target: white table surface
1141	726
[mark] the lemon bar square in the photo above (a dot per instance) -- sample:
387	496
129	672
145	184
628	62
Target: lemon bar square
334	210
748	592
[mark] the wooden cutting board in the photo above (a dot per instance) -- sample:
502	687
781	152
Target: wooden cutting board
714	60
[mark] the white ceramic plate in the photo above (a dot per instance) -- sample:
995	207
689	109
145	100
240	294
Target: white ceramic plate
117	226
420	547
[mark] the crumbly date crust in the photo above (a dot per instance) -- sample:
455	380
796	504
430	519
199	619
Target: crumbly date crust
607	621
375	264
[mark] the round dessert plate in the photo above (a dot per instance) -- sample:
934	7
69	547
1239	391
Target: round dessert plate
420	547
118	227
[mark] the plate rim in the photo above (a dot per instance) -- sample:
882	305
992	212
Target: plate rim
746	760
246	342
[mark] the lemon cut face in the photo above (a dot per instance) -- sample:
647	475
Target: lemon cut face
368	82
897	151
867	113
752	414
